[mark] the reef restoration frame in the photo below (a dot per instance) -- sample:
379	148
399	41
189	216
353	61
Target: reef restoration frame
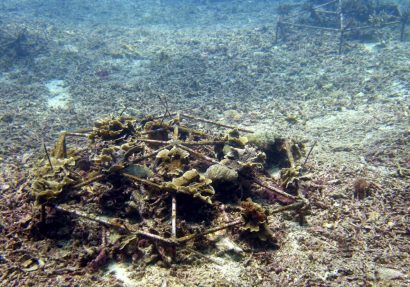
339	15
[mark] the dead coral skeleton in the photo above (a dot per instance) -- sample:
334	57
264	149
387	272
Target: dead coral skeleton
149	181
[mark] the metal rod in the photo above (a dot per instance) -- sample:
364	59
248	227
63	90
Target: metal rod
154	153
372	26
308	155
341	27
48	156
197	154
208	231
326	12
215	123
309	26
174	217
296	205
277	31
75	134
88	181
114	225
316	7
274	189
141	180
203	143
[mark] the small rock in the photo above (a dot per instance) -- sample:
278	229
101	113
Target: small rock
383	273
232	115
139	170
4	187
7	118
225	245
221	173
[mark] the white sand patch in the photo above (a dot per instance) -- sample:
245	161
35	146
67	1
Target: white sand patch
230	271
59	97
71	49
372	47
120	271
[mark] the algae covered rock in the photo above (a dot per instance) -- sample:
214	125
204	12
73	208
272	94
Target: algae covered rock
219	173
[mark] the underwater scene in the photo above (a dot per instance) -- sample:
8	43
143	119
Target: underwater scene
170	143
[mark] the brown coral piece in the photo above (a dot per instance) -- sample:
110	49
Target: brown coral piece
361	188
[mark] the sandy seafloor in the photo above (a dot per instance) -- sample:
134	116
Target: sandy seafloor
356	106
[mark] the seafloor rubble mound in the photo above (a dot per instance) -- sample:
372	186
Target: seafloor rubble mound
158	190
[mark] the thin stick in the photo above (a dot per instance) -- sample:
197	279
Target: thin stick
48	156
197	154
114	225
210	230
175	136
203	256
154	153
325	11
151	141
273	189
85	130
76	134
174	217
372	26
182	128
170	115
215	123
303	207
122	111
289	154
203	143
296	205
308	26
278	30
342	27
140	180
308	155
155	237
92	217
316	7
164	102
192	131
402	30
155	131
88	181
